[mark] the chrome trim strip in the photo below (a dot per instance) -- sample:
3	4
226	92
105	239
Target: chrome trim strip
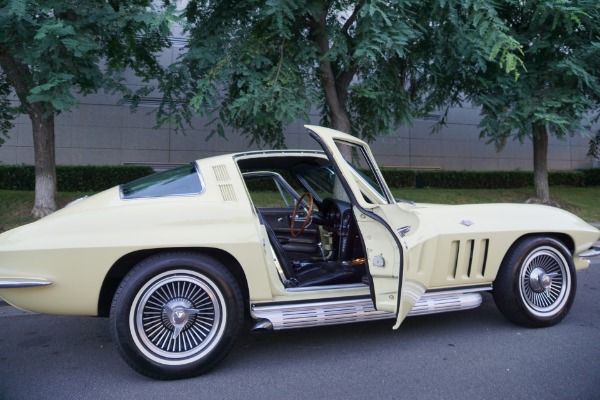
301	315
593	252
463	289
326	287
278	152
16	283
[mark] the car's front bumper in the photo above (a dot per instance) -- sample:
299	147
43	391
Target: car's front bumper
594	251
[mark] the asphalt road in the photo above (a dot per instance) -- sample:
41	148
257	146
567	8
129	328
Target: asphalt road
473	354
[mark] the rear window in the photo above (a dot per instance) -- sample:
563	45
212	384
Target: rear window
180	181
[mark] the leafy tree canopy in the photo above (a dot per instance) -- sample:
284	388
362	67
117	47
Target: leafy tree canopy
559	87
258	65
51	51
557	92
60	46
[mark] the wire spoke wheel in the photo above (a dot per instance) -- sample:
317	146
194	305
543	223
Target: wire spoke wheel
177	316
544	280
536	283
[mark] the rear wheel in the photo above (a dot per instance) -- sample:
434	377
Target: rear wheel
176	315
536	283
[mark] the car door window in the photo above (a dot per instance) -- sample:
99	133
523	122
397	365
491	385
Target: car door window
269	191
363	172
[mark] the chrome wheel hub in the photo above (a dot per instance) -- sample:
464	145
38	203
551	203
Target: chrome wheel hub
177	313
539	280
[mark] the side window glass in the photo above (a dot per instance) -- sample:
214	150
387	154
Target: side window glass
269	192
180	181
364	174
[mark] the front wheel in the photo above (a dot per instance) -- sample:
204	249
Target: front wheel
176	315
536	283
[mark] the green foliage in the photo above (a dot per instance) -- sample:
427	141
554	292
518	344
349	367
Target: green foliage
258	65
51	50
557	91
473	179
398	178
567	178
493	179
54	51
559	86
594	147
592	176
96	178
7	109
17	177
72	178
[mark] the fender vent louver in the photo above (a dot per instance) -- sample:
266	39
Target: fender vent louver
468	258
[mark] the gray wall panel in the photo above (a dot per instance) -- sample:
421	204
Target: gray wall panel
101	132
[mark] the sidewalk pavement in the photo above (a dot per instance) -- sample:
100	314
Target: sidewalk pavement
595	224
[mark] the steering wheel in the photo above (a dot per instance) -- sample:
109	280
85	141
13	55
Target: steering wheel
308	214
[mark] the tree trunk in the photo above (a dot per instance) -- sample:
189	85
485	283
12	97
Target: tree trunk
42	122
45	164
540	163
336	91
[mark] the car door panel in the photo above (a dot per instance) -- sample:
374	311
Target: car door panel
279	220
379	225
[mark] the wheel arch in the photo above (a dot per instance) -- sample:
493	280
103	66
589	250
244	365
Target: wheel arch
563	238
124	264
509	290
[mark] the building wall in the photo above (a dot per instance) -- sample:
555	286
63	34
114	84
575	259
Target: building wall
100	132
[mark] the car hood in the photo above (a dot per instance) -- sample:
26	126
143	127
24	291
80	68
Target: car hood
503	217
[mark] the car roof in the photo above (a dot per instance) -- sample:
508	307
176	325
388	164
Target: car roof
280	159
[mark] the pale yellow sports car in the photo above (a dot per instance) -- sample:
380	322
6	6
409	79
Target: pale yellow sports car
176	260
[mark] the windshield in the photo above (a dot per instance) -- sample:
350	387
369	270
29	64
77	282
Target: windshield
320	181
324	183
179	181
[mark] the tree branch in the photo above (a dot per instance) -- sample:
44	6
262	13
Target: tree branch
352	17
334	94
18	75
327	76
280	62
346	77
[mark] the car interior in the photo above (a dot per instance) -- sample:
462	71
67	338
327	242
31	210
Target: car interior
314	236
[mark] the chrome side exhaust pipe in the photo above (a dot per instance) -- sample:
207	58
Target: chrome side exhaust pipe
302	315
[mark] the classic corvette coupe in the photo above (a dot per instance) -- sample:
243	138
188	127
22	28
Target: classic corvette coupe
291	239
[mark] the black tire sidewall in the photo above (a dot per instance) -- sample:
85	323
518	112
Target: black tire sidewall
507	294
135	280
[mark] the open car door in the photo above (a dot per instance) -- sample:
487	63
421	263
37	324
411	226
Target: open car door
381	222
